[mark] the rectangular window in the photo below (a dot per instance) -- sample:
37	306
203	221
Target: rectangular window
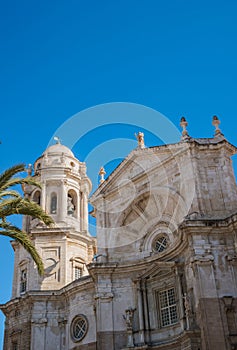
168	307
78	272
14	346
23	282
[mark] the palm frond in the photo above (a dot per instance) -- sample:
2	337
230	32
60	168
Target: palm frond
24	207
12	202
19	181
22	237
8	206
30	181
10	172
27	207
9	193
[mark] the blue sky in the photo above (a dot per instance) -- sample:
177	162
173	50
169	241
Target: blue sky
61	57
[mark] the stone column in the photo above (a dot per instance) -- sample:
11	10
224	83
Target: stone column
43	195
84	217
81	210
209	317
62	326
38	330
140	312
78	207
181	299
104	320
62	206
146	314
232	260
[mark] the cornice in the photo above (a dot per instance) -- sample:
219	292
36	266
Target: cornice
210	222
216	142
83	283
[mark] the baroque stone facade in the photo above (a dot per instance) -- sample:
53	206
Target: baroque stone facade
162	272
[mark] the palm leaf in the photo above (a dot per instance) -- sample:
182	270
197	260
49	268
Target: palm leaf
9	193
8	206
19	181
12	202
24	207
9	173
22	237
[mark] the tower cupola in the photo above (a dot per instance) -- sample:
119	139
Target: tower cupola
67	247
65	187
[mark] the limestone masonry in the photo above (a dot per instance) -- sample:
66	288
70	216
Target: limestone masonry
162	271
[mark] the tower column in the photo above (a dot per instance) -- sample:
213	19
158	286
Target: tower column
63	204
84	211
43	195
78	206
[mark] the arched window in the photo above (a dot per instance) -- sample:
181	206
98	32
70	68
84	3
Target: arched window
23	267
36	197
72	203
53	204
23	280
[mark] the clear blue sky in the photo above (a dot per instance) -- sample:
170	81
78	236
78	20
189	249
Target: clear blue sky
60	57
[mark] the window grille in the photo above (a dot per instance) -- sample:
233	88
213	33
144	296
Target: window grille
78	272
79	328
168	307
160	244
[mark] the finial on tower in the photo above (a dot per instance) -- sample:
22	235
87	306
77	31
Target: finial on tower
140	139
57	139
102	173
216	122
29	169
184	124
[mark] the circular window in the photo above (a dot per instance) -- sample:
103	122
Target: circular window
79	328
160	244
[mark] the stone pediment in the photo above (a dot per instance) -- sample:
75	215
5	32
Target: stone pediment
141	162
158	269
136	167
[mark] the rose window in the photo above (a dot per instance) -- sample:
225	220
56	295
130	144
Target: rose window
79	328
160	244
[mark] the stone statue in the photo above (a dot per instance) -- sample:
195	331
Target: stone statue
187	309
29	169
128	317
70	206
140	139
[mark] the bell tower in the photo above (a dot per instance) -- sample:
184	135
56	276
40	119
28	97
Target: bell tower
66	247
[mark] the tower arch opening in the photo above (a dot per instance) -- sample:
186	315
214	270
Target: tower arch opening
37	197
72	203
53	203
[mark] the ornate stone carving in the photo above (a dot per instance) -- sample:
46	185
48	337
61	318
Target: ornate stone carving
187	310
202	258
40	321
105	296
128	317
140	139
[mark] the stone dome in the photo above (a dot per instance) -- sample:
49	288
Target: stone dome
58	148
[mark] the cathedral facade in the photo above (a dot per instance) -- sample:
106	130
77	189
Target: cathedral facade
161	273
